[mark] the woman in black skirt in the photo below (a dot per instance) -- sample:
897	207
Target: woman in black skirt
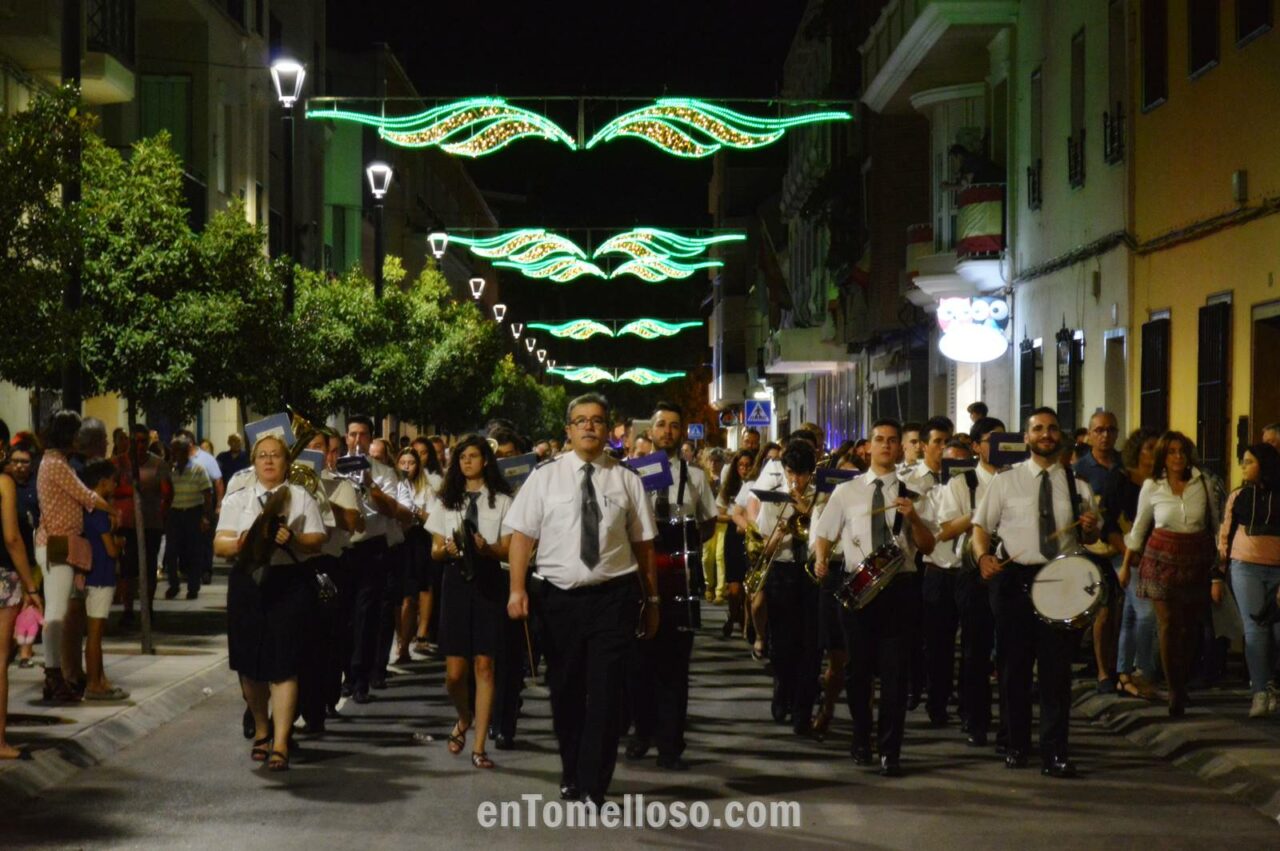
417	552
267	621
735	552
466	533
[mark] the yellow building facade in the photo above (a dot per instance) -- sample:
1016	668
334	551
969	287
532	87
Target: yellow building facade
1206	193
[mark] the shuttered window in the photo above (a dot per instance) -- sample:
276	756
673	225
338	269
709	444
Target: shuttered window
1213	387
1026	381
1070	354
1155	374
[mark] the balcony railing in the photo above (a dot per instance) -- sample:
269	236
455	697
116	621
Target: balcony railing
109	28
1113	135
980	221
1075	160
1034	198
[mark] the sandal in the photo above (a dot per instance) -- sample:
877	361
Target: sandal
458	738
481	760
261	750
821	723
278	761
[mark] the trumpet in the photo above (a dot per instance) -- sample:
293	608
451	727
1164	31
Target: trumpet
797	527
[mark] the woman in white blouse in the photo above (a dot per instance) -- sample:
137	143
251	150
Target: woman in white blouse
472	504
267	622
1173	532
417	552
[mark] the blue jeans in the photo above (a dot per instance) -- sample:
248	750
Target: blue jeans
1138	649
1253	585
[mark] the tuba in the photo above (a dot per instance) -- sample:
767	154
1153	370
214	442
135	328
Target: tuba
303	475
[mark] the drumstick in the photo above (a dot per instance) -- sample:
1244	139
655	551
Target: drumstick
528	643
1064	530
891	506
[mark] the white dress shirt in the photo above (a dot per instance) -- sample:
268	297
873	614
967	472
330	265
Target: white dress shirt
1011	509
376	524
445	521
699	503
847	518
342	495
767	519
928	485
549	510
1158	504
245	505
953	502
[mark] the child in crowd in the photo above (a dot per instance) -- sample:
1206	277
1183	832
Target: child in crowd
25	631
100	582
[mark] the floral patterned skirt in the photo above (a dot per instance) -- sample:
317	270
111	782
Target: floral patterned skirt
1175	566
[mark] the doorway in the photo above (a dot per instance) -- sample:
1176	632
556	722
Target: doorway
1115	378
1264	391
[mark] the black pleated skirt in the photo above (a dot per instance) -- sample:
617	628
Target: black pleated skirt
472	613
267	625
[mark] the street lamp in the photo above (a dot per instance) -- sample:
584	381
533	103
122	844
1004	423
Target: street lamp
542	355
551	364
477	287
439	241
529	343
379	174
499	311
287	76
517	328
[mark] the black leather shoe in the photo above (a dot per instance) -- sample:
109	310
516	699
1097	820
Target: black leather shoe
569	792
361	696
890	767
346	690
939	719
504	743
1015	759
193	595
1059	767
976	740
672	763
637	748
171	594
861	755
378	682
913	700
802	726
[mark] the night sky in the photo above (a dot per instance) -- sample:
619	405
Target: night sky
716	49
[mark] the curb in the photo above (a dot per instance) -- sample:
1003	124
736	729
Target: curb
1224	752
52	765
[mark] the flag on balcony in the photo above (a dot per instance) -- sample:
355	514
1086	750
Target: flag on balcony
919	244
980	220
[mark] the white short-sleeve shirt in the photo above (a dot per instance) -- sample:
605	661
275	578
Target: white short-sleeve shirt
245	506
548	508
1011	509
847	518
445	521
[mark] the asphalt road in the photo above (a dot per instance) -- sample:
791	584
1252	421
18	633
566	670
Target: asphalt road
366	784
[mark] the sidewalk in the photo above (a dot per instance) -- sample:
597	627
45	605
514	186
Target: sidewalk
1216	740
190	664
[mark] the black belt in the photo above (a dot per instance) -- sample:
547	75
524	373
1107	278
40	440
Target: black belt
597	588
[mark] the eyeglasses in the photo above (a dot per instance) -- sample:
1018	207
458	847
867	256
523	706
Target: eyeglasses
583	422
269	456
20	462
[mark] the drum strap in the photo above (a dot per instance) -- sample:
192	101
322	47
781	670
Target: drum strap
971	479
684	475
905	493
1073	491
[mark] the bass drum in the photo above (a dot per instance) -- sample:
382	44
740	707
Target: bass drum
681	592
1069	591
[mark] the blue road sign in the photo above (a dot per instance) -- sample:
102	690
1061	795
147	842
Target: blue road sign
697	431
757	413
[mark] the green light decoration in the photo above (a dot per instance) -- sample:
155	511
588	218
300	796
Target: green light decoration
574	329
643	243
687	127
472	127
522	246
651	329
658	269
560	268
593	374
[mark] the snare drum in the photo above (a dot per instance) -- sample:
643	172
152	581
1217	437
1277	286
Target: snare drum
870	577
1069	591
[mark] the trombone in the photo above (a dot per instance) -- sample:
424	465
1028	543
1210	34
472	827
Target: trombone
797	527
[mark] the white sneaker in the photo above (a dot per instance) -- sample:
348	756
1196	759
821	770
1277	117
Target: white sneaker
1261	705
1273	699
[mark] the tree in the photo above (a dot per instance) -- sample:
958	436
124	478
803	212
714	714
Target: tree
537	410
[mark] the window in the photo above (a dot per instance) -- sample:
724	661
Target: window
1155	52
1213	388
1117	78
1027	397
165	104
1070	348
1253	17
1036	110
1202	36
1155	374
1075	142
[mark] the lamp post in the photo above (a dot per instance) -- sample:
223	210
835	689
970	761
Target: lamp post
439	241
477	287
499	312
287	76
517	328
379	174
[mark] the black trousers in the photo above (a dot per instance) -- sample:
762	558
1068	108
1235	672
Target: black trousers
320	654
1026	641
588	634
658	688
879	639
508	678
397	562
941	620
977	638
369	578
793	638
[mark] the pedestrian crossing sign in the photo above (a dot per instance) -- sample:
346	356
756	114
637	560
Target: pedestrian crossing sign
696	431
758	413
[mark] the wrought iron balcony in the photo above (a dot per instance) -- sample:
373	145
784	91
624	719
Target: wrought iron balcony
1034	197
1113	135
1075	160
109	28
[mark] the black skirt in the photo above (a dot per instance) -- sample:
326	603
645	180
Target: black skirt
735	554
472	613
421	573
267	625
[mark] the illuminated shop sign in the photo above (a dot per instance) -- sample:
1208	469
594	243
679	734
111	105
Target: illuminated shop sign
973	329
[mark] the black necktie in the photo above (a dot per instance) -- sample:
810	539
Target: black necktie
590	546
472	519
879	525
1048	546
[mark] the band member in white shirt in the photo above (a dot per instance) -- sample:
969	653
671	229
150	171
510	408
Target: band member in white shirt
658	682
973	604
873	514
1039	510
466	533
266	616
594	529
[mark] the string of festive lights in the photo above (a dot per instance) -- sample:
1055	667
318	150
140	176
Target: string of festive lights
658	269
582	329
642	243
527	246
560	268
594	374
472	127
687	127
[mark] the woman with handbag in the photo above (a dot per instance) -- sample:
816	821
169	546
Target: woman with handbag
266	527
1173	531
466	533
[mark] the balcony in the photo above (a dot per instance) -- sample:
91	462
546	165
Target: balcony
801	350
923	44
33	40
977	265
980	221
1113	135
1075	160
